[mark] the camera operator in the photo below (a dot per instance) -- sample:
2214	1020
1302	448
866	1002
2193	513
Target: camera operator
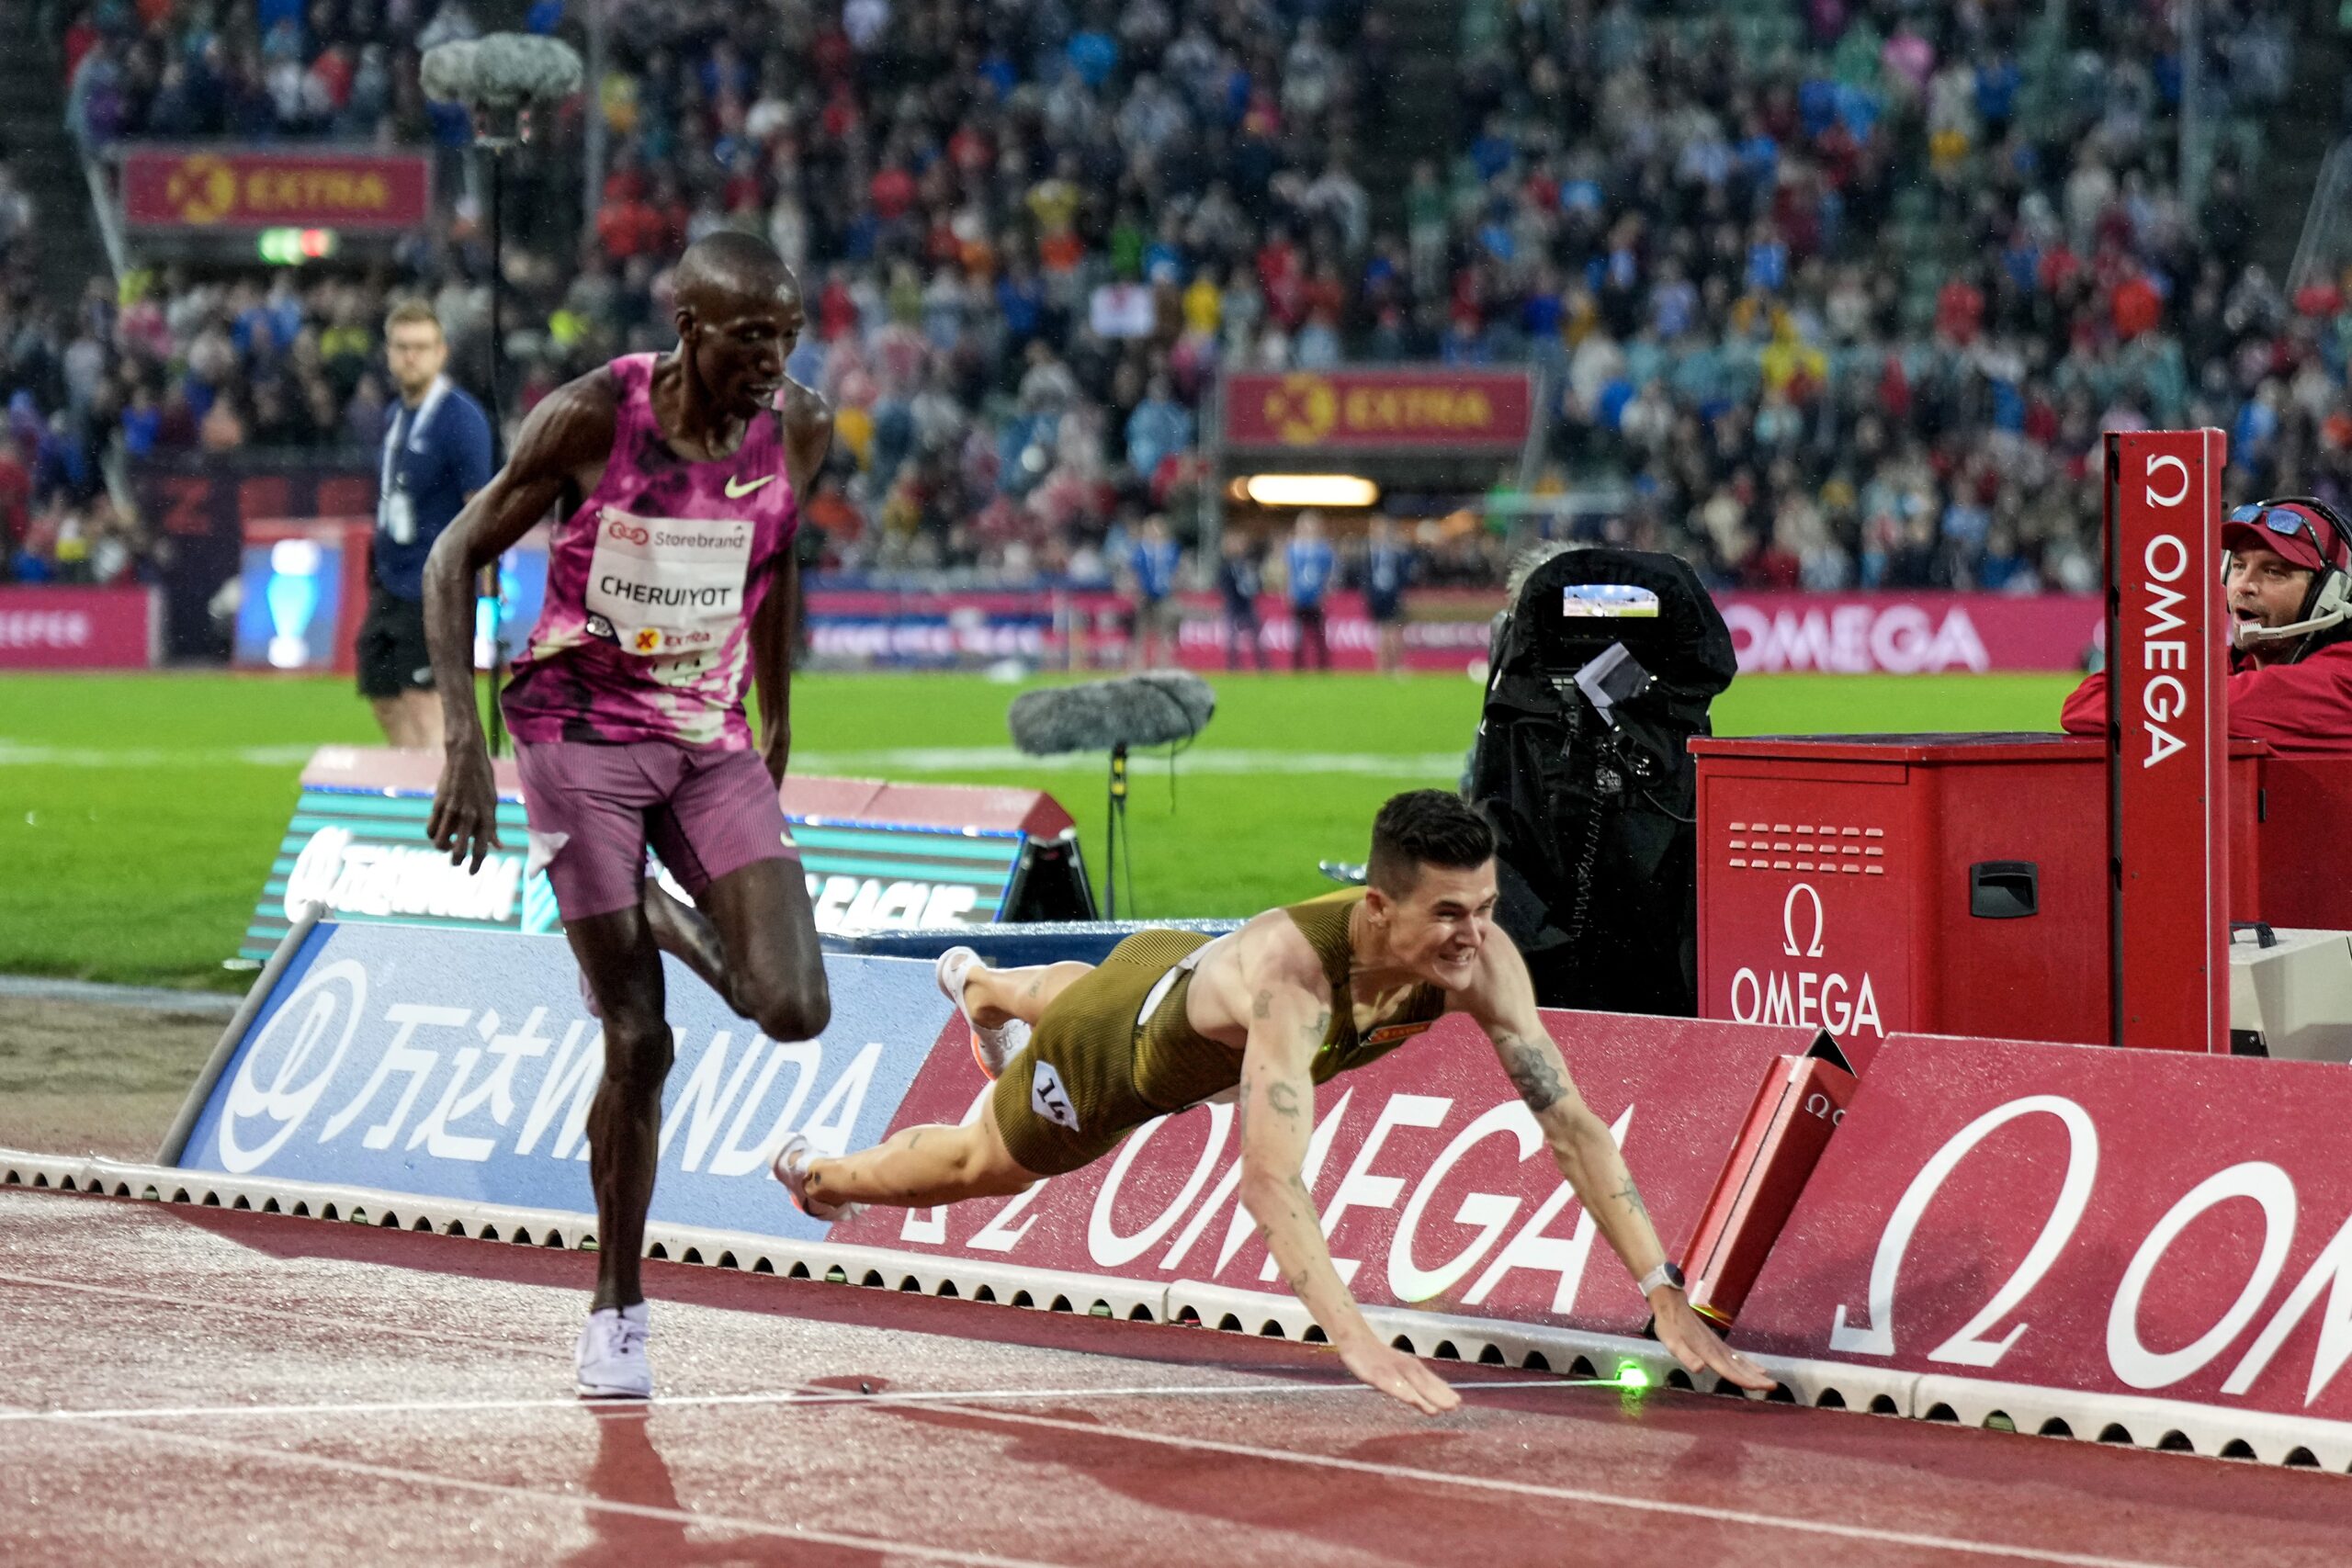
2289	602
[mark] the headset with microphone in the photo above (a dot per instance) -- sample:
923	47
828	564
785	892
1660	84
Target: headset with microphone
2328	604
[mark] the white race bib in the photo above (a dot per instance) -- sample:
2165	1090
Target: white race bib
669	585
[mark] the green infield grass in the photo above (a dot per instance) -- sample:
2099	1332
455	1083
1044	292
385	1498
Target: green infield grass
139	814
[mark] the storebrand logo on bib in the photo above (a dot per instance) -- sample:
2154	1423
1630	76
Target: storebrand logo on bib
668	585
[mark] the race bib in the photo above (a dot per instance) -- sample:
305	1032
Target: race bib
669	586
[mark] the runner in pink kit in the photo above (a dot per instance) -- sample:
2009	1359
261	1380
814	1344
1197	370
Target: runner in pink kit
670	577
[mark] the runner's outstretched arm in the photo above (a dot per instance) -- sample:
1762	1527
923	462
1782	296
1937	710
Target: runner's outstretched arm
570	432
1287	1020
1504	1005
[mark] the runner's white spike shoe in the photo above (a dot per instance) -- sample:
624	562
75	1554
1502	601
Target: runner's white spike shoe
610	1360
791	1168
991	1048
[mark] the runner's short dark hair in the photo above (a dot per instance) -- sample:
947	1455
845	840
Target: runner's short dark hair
1426	827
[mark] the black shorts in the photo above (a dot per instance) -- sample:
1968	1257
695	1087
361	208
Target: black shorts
1385	609
393	654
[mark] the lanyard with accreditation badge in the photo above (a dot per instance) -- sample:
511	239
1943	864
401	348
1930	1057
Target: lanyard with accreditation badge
395	511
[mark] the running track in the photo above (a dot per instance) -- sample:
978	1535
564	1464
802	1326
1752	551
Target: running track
199	1385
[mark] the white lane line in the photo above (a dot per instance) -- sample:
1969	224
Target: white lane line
19	754
684	1516
769	1398
217	1307
1568	1493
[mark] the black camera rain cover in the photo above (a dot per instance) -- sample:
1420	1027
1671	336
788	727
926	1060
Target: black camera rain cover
1598	855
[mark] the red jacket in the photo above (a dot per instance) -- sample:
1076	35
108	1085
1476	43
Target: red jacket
2302	710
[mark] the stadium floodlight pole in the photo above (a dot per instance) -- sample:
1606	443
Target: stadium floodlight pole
499	79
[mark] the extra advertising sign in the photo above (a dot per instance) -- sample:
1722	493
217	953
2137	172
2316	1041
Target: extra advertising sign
2074	1217
439	1063
2169	732
1457	411
1433	1179
877	856
241	188
53	628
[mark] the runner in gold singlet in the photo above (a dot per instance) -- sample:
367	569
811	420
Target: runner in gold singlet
1083	1055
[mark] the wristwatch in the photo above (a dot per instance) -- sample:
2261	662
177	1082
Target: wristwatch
1664	1274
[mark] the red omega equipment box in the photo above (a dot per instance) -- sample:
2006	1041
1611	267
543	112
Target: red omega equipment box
1799	1104
1931	884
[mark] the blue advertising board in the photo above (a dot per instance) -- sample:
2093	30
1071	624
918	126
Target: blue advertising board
460	1065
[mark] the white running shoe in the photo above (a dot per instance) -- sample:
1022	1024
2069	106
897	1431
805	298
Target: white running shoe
610	1359
991	1048
791	1168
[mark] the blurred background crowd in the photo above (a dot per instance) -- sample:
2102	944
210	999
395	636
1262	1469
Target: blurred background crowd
1829	294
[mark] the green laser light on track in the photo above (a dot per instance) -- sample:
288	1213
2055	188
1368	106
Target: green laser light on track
1631	1376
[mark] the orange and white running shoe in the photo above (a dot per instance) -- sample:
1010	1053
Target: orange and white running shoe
991	1048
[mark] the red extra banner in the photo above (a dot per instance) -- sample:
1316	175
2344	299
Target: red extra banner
1433	1183
1362	410
2126	1222
243	188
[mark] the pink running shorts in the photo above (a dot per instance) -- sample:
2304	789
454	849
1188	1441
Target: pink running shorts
592	810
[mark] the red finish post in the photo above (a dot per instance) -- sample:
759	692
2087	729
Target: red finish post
2167	741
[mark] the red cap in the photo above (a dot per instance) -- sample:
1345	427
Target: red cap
2297	548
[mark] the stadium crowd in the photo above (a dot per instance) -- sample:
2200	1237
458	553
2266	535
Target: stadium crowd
1031	231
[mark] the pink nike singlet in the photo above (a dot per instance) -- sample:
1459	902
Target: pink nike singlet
645	633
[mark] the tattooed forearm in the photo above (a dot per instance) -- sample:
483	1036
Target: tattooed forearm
1631	1197
1261	1006
1531	1073
1283	1098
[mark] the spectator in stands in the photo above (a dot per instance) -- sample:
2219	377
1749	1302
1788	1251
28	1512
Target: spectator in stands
2290	602
1309	563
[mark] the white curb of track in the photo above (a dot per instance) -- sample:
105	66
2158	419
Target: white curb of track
1973	1402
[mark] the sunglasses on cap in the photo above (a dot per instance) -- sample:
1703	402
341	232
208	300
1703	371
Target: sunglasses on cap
2283	520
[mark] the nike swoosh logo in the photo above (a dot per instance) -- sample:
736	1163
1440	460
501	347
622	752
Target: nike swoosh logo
734	492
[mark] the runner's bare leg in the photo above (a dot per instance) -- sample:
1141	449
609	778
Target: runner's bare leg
624	971
992	996
923	1166
753	941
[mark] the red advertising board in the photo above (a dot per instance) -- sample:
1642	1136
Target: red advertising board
1432	1178
1445	629
2072	1217
1910	634
1359	410
240	188
2166	719
49	627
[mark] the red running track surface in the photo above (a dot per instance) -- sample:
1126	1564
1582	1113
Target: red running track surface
191	1385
